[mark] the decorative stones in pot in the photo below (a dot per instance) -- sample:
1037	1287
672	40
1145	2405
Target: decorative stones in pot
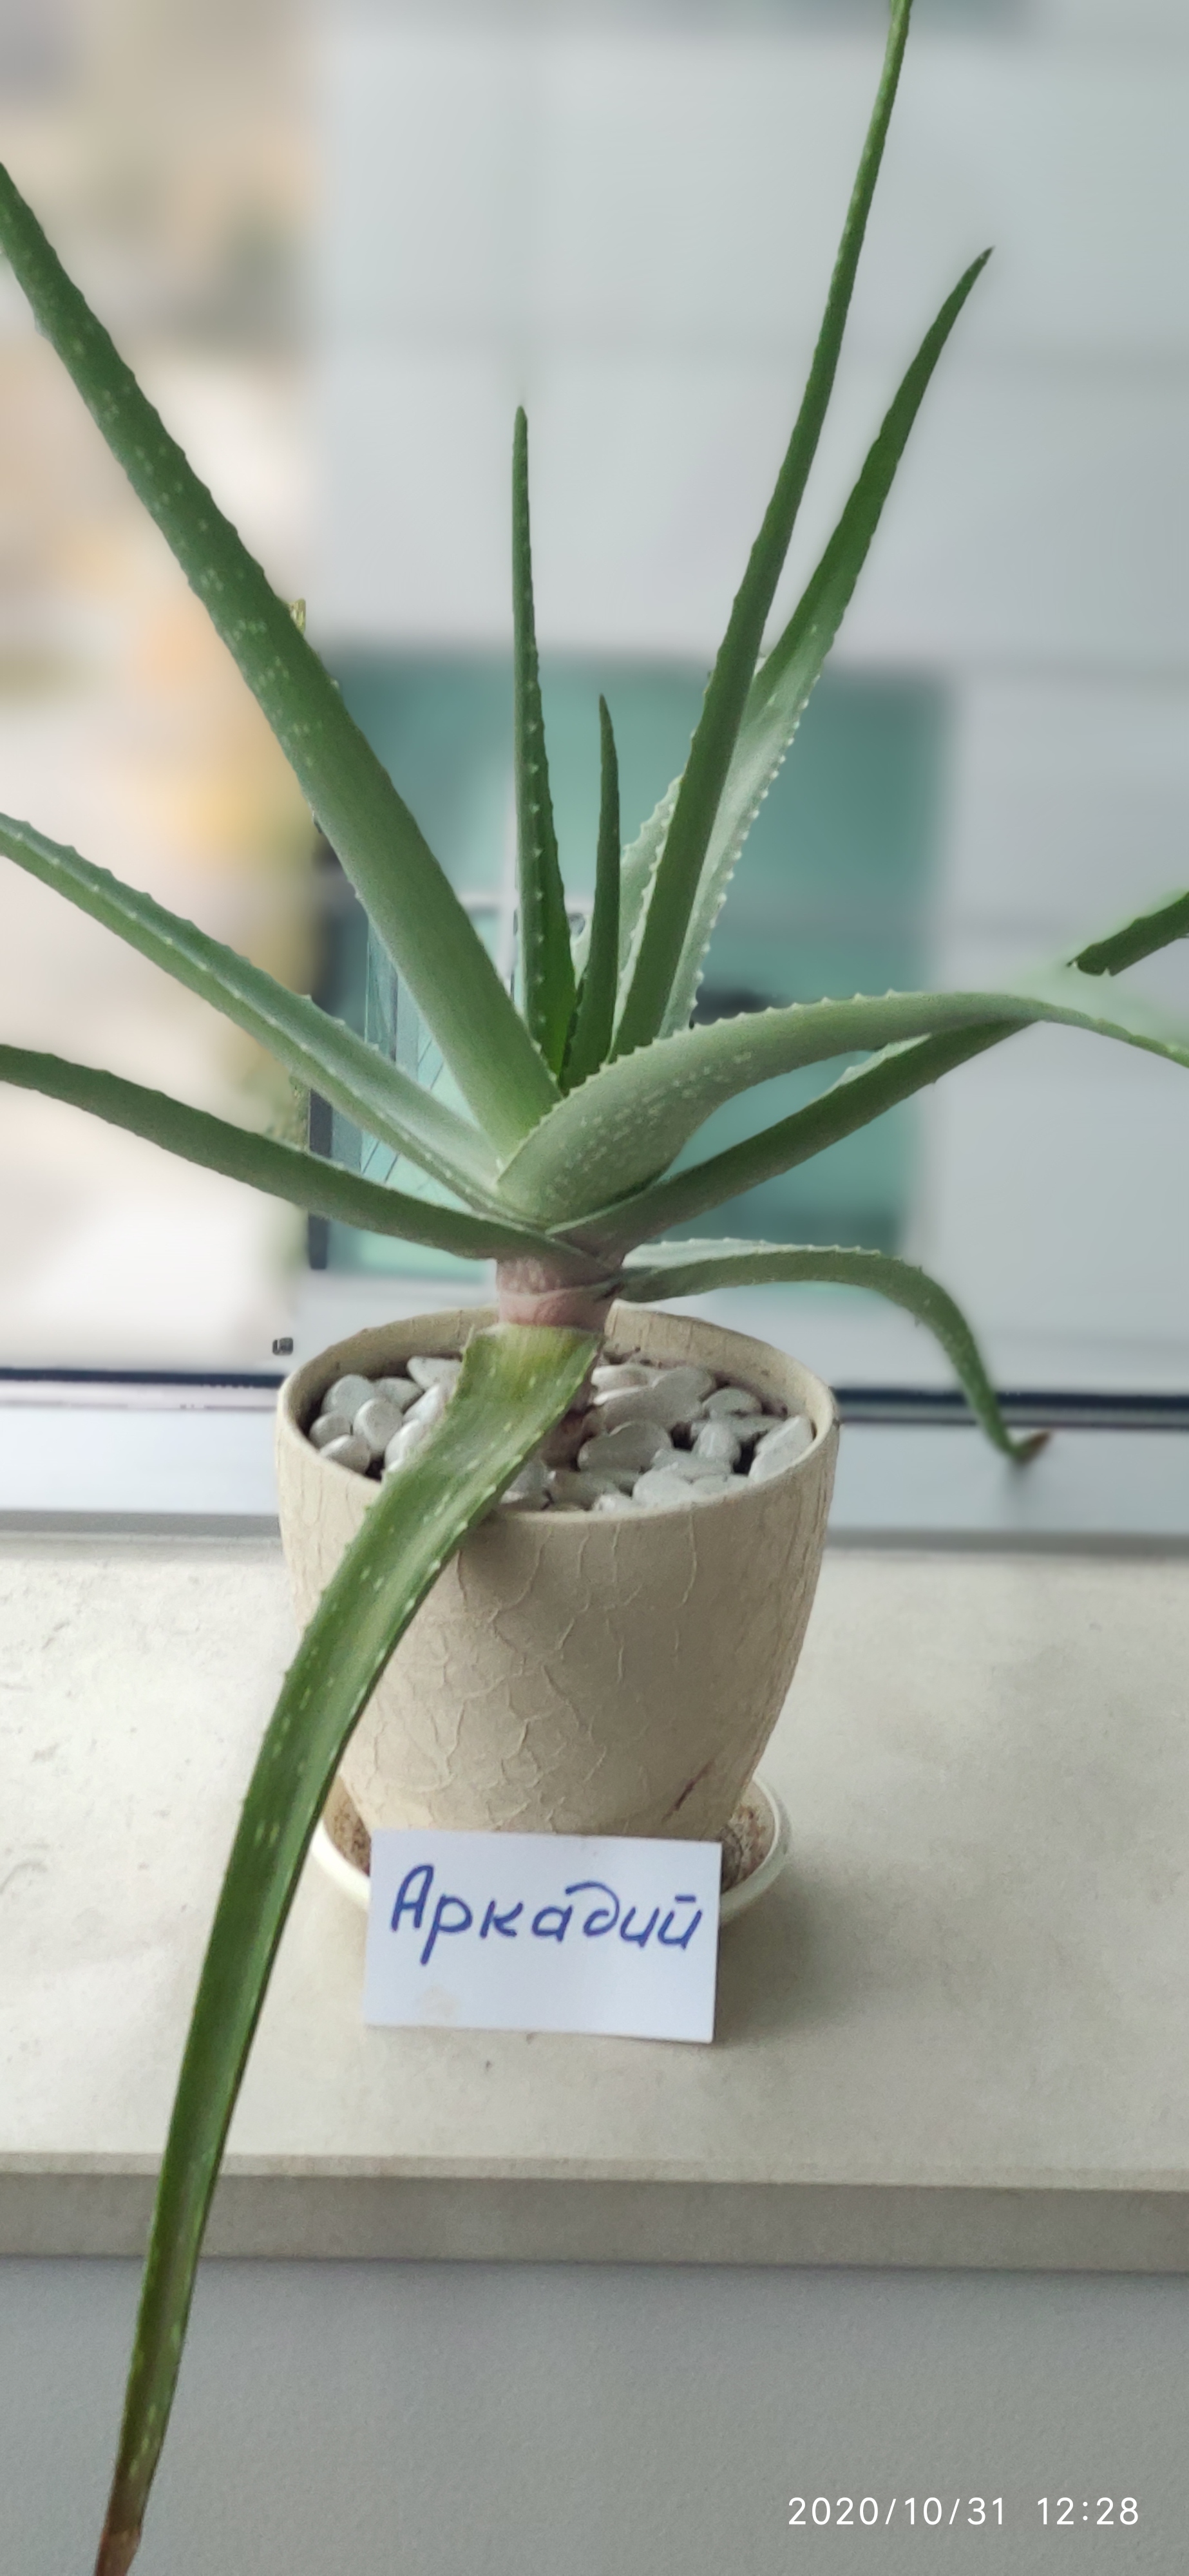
573	1672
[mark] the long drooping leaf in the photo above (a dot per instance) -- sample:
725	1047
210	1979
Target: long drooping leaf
1142	937
516	1380
596	1006
546	965
676	884
861	1095
692	1269
419	918
284	1171
627	1123
307	1041
785	681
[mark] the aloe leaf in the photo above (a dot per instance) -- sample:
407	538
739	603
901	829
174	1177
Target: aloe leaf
861	1094
546	965
1141	937
784	683
637	868
264	1163
691	1269
307	1041
516	1380
596	1007
627	1123
676	884
425	929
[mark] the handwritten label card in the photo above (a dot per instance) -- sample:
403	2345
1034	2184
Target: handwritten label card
543	1932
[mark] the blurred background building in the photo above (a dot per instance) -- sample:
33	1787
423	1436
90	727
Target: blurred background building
343	245
169	152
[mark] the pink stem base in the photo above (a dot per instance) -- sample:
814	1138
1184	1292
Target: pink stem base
529	1293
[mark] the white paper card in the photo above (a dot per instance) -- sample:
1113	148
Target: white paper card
570	1932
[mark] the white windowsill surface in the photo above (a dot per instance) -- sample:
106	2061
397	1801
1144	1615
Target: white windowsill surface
951	2035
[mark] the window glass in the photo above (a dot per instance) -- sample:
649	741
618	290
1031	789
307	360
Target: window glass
624	216
626	219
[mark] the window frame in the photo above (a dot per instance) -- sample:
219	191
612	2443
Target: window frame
188	1453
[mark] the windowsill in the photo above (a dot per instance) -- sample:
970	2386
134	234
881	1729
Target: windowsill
948	2036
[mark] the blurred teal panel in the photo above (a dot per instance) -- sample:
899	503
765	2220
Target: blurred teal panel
832	896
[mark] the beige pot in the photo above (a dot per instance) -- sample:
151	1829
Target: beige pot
569	1674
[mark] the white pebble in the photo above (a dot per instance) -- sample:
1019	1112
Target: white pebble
729	1400
753	1427
794	1413
717	1442
625	1450
400	1391
431	1371
330	1426
346	1395
613	1502
629	1404
692	1469
410	1437
376	1422
659	1488
526	1493
672	1399
612	1374
768	1428
430	1406
574	1492
349	1452
781	1448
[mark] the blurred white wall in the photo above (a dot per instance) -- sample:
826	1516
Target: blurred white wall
626	218
164	151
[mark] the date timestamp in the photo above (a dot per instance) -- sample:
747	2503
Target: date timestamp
1056	2511
870	2513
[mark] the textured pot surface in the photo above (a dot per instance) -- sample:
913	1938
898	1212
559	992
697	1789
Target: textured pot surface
570	1674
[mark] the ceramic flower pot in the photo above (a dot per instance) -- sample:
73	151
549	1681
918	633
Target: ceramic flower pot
568	1673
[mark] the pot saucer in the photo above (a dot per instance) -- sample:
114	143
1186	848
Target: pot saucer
755	1848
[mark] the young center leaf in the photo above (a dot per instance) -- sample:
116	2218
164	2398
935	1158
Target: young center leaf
595	1017
637	868
515	1382
546	964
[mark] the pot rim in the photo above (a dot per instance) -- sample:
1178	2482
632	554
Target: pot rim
301	1391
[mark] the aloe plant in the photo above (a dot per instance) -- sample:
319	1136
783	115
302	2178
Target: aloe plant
579	1090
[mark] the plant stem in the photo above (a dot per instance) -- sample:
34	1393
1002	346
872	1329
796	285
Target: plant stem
534	1292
